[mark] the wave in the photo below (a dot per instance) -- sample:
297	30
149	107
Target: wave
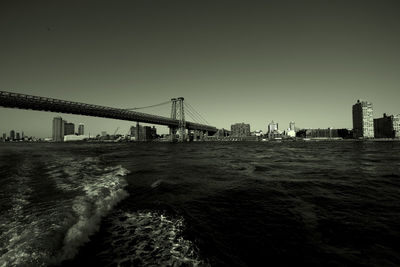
101	195
148	238
47	232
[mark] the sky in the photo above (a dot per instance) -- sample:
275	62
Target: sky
233	61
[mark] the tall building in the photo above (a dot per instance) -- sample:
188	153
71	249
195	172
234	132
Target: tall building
387	127
273	126
81	129
363	123
12	135
17	136
292	126
290	132
58	129
69	128
240	129
4	136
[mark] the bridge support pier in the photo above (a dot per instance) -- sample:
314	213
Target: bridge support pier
172	134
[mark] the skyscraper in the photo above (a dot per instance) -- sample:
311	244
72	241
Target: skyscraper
12	135
4	136
17	136
292	126
69	128
363	121
81	129
58	129
273	126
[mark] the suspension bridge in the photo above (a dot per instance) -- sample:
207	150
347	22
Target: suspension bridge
177	123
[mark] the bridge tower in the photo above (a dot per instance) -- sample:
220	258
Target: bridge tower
182	122
172	130
178	113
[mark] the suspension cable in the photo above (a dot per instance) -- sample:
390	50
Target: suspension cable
191	115
194	115
197	113
156	105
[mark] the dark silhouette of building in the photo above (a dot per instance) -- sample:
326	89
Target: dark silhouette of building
363	124
146	133
69	128
17	136
240	130
387	127
12	135
81	129
58	129
4	136
318	133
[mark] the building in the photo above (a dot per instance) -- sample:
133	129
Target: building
363	123
273	131
240	130
272	127
146	133
58	129
69	128
17	136
81	130
319	133
292	126
4	136
387	127
291	132
12	135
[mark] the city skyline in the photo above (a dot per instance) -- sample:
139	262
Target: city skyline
306	61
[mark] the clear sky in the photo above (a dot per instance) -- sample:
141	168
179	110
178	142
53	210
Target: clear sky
234	61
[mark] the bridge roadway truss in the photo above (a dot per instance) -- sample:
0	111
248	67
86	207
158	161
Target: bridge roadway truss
22	101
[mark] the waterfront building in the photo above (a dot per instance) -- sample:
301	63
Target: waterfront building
58	129
292	126
319	133
81	130
12	135
69	128
363	124
4	136
272	126
291	132
146	133
240	130
257	133
387	127
273	131
17	136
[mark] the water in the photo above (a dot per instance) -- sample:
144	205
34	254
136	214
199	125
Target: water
200	204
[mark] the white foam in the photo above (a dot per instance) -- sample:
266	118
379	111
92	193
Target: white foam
149	239
31	236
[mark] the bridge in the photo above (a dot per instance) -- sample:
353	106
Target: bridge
175	123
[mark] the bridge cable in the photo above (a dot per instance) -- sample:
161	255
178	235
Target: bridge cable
198	114
156	105
194	115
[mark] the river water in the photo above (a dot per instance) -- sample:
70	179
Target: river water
200	204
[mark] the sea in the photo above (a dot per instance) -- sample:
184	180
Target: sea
331	203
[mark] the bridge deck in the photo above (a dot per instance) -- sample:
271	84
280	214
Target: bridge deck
23	101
